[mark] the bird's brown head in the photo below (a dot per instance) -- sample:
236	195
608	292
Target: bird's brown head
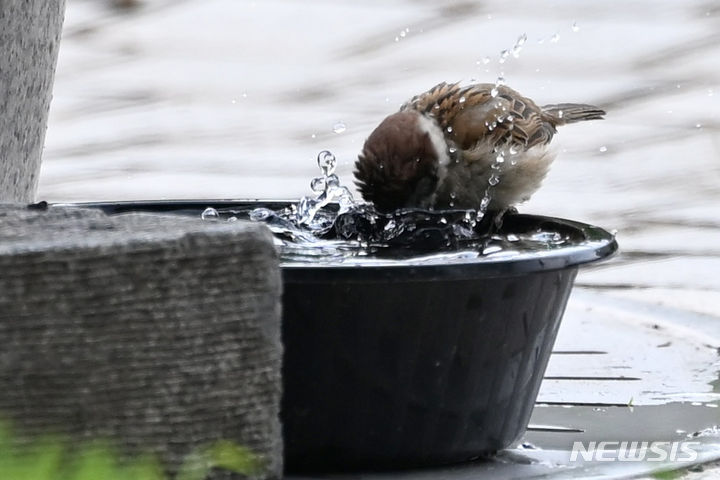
398	164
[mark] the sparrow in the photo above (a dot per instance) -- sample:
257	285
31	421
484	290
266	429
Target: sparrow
482	146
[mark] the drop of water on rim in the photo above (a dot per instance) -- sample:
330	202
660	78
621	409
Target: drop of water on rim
260	214
210	214
339	127
603	149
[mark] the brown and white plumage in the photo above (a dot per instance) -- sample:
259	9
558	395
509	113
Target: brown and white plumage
439	149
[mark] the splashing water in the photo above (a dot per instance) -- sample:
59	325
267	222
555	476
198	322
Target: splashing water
331	226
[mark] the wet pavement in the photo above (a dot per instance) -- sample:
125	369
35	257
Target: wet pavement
233	99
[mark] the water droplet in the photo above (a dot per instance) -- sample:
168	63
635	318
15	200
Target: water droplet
339	127
500	158
560	113
403	33
513	150
449	129
232	219
698	125
575	27
313	136
260	214
461	99
521	39
452	149
397	39
503	56
210	214
603	149
494	179
333	180
555	38
318	184
486	60
500	81
326	161
484	203
233	101
452	195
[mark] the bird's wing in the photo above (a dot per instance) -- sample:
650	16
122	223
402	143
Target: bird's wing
472	115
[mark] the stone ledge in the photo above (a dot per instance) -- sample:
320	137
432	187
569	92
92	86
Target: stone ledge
161	332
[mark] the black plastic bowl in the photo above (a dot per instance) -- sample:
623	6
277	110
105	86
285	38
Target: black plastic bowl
404	364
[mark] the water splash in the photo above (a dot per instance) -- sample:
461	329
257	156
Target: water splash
331	225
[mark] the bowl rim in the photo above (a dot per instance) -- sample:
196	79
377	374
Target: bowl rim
600	244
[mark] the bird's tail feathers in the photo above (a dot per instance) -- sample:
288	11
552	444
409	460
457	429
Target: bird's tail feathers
563	113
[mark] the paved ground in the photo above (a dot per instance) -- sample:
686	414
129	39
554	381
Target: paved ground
233	99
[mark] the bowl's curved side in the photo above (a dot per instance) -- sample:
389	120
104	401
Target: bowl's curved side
391	374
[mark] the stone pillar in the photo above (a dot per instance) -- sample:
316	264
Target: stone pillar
159	333
29	39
